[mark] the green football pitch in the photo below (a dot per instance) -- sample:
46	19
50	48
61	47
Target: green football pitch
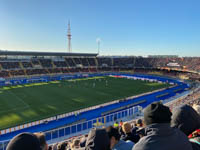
26	103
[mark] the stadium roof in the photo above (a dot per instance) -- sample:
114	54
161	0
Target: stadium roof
31	53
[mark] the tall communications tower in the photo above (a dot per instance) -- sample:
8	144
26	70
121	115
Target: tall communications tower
69	38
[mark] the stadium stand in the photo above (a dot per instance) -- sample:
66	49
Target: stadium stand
10	65
47	63
4	74
84	62
60	64
104	61
92	62
27	64
70	62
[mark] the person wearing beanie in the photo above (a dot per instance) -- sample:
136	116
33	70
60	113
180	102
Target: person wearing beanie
158	134
157	113
24	141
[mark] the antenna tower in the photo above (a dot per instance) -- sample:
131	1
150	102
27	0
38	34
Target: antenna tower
69	38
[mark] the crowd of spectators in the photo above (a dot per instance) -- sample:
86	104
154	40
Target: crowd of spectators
77	61
70	62
10	65
27	64
160	128
17	72
60	64
93	69
104	61
36	71
84	61
46	63
35	61
54	70
136	62
92	62
4	74
129	63
191	99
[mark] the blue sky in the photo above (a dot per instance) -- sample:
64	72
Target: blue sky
126	27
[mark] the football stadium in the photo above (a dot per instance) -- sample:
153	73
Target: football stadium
66	94
135	91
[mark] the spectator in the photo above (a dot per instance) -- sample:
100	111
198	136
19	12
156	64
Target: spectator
54	147
187	120
116	124
42	140
129	135
62	146
24	141
75	144
195	137
141	132
115	142
50	148
83	141
120	123
97	140
158	133
139	123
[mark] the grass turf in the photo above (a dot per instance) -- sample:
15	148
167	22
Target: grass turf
25	103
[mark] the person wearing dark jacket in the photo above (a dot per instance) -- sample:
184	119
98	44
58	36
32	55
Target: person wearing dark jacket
158	133
115	142
129	135
187	120
97	140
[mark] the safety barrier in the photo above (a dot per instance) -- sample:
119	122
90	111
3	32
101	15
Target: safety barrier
98	122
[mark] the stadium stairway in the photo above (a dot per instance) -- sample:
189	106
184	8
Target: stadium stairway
21	65
53	65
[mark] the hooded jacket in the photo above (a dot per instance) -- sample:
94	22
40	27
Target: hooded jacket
162	136
186	119
97	140
130	136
